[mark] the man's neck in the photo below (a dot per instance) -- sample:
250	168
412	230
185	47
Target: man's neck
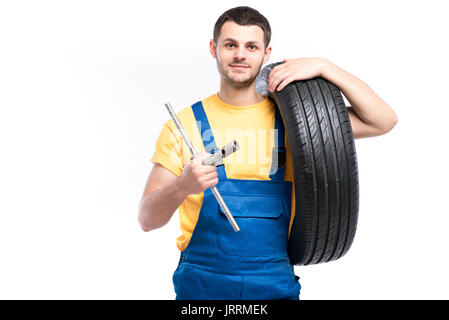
240	96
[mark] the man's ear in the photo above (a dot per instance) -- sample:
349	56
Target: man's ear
213	48
267	55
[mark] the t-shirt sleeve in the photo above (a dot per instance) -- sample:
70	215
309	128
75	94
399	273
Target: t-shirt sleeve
168	151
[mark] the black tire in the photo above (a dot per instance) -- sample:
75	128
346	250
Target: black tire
324	161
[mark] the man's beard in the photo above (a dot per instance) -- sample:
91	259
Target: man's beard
225	73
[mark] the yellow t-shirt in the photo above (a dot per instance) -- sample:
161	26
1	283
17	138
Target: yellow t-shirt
251	126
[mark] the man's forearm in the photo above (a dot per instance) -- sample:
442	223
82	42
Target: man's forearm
370	108
157	208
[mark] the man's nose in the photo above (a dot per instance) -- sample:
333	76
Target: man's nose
240	54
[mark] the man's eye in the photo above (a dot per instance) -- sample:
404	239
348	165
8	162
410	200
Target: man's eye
229	45
252	47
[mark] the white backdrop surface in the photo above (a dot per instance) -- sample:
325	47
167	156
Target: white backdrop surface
82	86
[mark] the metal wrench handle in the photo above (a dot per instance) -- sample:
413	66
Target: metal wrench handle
217	158
195	154
181	129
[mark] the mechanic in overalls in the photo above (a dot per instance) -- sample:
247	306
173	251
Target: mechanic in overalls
215	261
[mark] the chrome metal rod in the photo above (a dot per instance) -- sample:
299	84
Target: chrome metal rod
181	129
225	209
216	159
215	191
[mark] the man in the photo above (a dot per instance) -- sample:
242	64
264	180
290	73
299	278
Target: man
216	262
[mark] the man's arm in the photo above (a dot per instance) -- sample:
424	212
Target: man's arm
162	196
369	115
165	192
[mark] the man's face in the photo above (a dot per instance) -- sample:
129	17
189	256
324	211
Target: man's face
240	53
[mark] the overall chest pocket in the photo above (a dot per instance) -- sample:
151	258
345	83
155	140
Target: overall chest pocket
263	222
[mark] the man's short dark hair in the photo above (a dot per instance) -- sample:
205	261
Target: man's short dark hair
244	16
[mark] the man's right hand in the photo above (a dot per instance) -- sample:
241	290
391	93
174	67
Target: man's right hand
196	177
164	191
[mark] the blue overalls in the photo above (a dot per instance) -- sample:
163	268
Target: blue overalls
252	264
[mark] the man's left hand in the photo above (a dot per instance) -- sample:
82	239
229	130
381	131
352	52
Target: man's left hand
295	69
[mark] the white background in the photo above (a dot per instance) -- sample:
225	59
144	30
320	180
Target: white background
82	86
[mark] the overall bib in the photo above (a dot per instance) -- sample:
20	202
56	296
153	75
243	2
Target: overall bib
252	264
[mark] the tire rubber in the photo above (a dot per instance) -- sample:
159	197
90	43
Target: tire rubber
325	168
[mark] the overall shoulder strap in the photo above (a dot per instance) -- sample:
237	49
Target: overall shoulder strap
206	134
